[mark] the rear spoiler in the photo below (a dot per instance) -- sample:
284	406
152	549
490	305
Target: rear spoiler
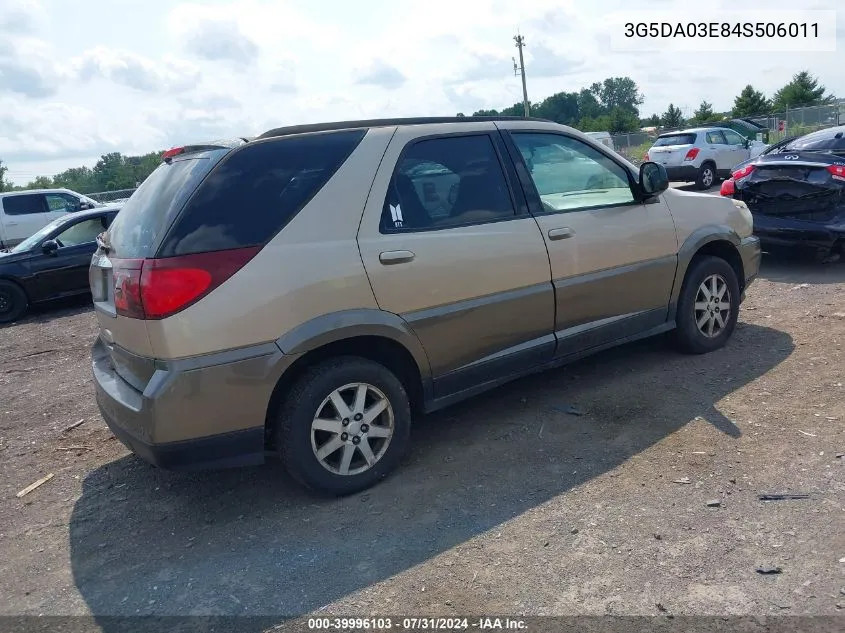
202	147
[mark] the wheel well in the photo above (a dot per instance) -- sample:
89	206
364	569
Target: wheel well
15	282
727	251
379	349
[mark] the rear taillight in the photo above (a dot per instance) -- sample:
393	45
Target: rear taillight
645	157
743	172
159	288
728	188
126	274
691	153
837	171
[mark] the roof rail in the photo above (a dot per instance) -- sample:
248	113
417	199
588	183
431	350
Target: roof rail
370	123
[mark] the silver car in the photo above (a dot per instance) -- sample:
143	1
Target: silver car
702	155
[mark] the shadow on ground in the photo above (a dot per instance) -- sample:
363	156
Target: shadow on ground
800	268
250	542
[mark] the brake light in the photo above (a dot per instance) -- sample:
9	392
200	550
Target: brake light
837	171
159	288
126	275
728	188
172	152
691	154
743	172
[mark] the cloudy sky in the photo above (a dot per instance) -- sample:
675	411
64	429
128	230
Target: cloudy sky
78	79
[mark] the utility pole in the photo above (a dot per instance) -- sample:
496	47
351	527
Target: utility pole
520	42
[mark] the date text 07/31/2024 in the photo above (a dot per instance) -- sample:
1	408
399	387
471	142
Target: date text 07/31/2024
416	624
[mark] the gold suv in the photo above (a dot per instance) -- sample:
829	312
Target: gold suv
305	292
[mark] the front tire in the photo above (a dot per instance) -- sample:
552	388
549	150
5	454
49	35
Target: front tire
13	302
706	176
708	307
344	426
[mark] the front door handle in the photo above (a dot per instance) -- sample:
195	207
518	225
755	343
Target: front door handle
395	257
561	233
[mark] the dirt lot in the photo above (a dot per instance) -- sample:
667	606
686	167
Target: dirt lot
506	504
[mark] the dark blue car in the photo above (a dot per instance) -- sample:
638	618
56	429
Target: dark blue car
53	263
796	193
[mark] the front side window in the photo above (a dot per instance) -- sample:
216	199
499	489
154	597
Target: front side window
571	175
81	232
61	203
26	204
449	181
733	138
715	138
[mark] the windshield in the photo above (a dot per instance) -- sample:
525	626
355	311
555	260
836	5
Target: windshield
34	239
822	141
675	139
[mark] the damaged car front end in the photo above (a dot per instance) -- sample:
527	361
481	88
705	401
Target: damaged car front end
796	194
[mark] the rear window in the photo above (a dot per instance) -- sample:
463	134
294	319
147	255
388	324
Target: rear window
24	205
252	194
825	140
675	139
150	210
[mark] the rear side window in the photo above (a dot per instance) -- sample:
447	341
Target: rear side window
24	205
252	194
675	139
150	210
448	181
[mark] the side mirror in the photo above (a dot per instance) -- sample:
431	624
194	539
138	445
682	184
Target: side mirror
84	206
653	178
49	247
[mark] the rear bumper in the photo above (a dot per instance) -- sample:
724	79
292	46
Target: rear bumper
206	412
682	173
775	231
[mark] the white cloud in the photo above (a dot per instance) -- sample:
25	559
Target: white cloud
20	17
136	71
380	73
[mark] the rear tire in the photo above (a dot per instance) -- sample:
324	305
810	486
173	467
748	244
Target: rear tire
13	301
706	176
706	322
337	451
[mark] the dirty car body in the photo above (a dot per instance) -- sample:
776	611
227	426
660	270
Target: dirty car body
796	193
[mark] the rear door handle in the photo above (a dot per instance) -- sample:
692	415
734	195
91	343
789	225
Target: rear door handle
11	223
395	257
561	233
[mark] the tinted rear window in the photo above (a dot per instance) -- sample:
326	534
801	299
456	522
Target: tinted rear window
150	210
24	205
252	194
675	139
825	140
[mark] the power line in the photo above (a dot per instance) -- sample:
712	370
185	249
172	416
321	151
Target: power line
520	43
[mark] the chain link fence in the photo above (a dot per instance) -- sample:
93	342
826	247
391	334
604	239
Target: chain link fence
792	122
119	195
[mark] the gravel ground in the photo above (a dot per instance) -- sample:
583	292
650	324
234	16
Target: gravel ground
506	503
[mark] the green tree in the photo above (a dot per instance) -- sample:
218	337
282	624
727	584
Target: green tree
751	102
704	113
672	117
804	90
561	107
41	182
618	92
652	121
5	185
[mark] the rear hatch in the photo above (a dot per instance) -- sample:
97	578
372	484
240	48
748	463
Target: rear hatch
803	185
135	234
671	150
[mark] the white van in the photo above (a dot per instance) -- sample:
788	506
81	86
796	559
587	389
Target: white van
23	213
602	137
